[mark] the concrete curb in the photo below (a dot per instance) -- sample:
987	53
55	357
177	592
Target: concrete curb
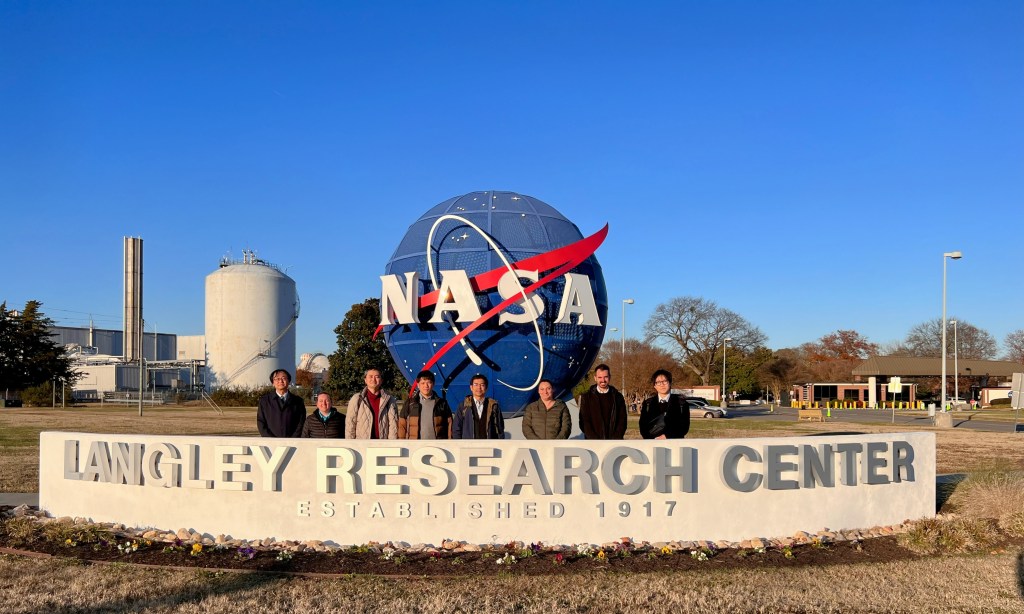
14	499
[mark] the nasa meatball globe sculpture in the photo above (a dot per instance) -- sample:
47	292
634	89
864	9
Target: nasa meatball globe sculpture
500	284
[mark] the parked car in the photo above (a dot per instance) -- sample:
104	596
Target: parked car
696	411
699	408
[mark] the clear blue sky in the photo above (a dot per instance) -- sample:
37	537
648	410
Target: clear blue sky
804	164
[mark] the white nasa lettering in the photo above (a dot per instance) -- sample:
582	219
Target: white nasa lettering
400	299
509	286
578	298
455	294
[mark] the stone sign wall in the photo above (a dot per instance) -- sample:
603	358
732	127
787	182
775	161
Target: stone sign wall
571	491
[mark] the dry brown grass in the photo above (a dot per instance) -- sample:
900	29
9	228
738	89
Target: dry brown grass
995	492
20	428
954	584
959	534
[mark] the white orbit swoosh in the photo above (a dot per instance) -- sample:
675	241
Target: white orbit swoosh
508	265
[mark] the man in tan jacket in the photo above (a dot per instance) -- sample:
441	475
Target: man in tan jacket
372	413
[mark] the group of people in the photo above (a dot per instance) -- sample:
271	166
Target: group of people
663	415
373	413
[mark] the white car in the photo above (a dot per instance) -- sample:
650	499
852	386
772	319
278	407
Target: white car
699	408
707	412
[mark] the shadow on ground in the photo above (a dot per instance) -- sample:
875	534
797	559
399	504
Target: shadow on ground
945	486
205	585
1020	574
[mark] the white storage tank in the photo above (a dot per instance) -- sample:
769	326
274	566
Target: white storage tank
251	309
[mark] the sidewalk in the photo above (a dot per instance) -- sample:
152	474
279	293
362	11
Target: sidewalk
14	499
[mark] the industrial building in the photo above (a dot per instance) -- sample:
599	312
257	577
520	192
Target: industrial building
251	311
173	363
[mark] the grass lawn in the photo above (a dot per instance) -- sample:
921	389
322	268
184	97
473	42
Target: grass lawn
983	583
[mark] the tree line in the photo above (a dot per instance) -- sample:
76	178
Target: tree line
688	336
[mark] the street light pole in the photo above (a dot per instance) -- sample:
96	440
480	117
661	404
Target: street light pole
142	362
956	366
725	346
625	301
955	256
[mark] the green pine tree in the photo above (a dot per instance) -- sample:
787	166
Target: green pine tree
28	355
359	351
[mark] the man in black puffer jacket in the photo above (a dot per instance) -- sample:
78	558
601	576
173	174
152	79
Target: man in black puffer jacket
326	422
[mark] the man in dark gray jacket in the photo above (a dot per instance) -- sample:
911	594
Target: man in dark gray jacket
279	412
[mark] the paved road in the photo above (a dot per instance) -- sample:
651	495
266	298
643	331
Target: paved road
961	420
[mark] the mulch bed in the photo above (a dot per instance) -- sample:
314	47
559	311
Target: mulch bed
352	561
528	561
365	561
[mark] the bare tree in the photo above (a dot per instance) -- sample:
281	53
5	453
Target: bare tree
640	361
780	372
694	329
1015	346
925	339
833	357
305	379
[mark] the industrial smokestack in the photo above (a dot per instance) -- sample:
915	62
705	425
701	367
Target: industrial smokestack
132	298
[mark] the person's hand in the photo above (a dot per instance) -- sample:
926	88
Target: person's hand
661	437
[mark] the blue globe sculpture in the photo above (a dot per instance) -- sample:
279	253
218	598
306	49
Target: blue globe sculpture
515	227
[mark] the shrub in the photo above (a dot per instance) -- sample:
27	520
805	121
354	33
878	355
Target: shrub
999	402
20	531
1013	523
42	395
232	396
947	535
995	492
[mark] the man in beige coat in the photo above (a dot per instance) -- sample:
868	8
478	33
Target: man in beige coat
372	413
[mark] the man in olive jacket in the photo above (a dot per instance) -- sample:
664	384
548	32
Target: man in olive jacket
547	417
425	415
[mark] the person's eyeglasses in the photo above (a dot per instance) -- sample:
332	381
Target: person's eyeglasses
661	381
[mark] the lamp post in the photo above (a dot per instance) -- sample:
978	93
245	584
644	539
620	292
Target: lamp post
725	346
945	256
625	301
956	366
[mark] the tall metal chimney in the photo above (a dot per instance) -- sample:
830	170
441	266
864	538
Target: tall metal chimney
132	298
